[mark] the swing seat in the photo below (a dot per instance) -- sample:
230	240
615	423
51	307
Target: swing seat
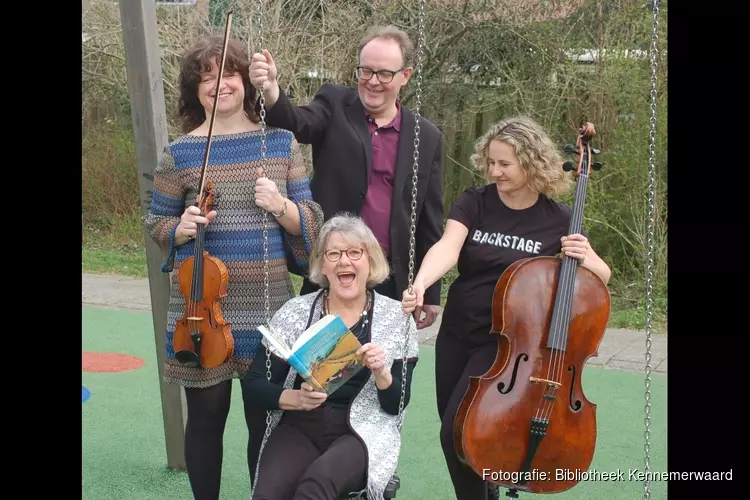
390	490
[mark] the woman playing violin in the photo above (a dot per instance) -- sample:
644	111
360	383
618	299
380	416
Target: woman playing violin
514	216
243	194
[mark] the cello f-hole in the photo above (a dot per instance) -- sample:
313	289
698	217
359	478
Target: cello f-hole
575	406
501	385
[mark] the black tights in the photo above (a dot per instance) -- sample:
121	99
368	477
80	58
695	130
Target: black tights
207	411
456	361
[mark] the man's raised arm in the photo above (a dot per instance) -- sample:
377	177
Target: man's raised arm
307	122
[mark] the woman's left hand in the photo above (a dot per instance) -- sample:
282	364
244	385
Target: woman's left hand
373	357
267	194
576	246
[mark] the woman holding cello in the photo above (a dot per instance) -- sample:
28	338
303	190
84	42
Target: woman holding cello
217	295
488	229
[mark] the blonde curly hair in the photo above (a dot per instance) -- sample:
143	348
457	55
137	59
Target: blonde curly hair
537	155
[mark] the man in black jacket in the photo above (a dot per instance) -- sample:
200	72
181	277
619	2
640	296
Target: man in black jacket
363	154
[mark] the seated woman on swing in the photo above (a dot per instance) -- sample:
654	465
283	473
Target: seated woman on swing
514	216
325	447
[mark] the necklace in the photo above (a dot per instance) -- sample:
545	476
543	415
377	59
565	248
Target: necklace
363	317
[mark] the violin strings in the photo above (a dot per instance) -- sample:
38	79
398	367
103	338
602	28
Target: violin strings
197	271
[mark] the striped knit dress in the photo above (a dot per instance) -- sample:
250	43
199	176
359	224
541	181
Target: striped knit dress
235	236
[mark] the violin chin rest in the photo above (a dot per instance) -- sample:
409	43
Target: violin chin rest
188	358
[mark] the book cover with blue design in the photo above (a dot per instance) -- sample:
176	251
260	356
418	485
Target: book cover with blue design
324	355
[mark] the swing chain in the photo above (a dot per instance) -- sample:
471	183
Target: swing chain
650	248
266	281
264	161
414	178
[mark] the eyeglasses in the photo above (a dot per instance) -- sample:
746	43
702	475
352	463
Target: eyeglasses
384	75
352	253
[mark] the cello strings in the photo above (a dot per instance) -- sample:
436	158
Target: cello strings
578	221
569	270
558	330
570	274
558	357
545	405
543	410
554	370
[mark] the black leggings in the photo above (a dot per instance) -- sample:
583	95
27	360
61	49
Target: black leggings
312	455
456	361
207	411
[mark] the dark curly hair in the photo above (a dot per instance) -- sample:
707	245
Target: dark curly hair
197	60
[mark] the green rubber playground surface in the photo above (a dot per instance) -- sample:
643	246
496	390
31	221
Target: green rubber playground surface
124	454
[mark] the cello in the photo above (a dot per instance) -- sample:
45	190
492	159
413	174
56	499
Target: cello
202	338
526	424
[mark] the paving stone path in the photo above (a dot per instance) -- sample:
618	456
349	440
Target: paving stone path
620	349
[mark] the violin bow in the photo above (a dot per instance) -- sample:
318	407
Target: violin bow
213	111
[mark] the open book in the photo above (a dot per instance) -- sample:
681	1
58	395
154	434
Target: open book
324	355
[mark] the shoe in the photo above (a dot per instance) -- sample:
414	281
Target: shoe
493	492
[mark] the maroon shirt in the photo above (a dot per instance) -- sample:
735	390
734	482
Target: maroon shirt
376	210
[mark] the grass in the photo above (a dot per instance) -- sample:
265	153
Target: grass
114	245
124	455
118	249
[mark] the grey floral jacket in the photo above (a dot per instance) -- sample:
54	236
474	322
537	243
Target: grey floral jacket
377	429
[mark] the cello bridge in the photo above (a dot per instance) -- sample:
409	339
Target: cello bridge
194	318
550	383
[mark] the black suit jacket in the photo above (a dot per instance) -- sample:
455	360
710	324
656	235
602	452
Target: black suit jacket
334	124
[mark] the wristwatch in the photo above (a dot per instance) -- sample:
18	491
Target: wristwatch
283	211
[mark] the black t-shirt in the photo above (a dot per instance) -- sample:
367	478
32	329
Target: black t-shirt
498	236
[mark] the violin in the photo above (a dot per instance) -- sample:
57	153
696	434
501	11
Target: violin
527	418
202	338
